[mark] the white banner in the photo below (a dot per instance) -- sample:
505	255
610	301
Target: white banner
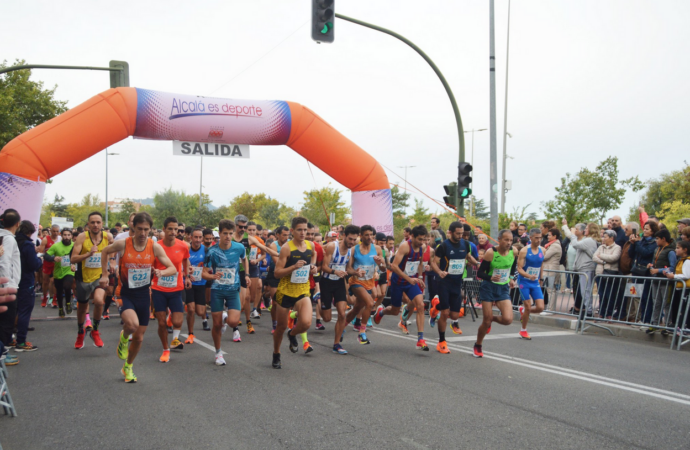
186	148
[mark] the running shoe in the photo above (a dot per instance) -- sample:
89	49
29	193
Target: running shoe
378	315
220	361
11	360
405	313
250	329
225	323
294	346
12	344
96	336
433	318
488	330
106	315
478	351
369	324
307	348
68	308
122	347
650	330
403	328
525	335
433	312
442	347
80	341
206	327
239	324
337	348
61	313
291	322
168	321
165	357
236	336
255	314
176	344
665	332
170	330
25	347
455	327
129	375
44	302
276	361
522	311
462	312
190	339
320	327
363	339
151	316
88	326
421	345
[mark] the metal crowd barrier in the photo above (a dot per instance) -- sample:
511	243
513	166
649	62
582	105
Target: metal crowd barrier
561	302
647	302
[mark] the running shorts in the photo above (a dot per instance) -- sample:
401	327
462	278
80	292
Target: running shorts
84	290
332	291
197	295
254	271
492	292
222	298
162	301
271	280
140	302
529	290
397	291
449	295
243	279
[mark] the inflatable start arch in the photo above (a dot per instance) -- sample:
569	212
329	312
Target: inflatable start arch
54	146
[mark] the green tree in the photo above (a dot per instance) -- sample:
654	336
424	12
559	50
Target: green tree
122	216
57	208
671	212
479	210
79	212
669	187
420	215
24	104
328	199
174	203
401	201
589	195
269	214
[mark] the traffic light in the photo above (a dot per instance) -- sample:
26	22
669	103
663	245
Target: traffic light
464	180
322	20
119	78
451	198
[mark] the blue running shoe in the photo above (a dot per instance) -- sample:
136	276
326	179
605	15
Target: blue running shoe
363	339
432	320
337	348
369	324
405	314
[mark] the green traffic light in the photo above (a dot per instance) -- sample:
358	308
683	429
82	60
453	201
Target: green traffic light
466	193
326	27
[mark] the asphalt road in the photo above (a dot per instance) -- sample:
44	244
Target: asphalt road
559	390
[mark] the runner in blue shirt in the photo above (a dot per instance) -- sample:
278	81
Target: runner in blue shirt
530	260
196	296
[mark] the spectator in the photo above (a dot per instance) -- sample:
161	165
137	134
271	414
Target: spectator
607	257
513	227
664	257
685	235
483	242
682	279
641	251
26	294
552	260
683	224
522	230
616	225
10	268
583	238
545	228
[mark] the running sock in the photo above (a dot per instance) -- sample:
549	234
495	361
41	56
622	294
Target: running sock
235	329
80	327
358	322
95	324
303	336
318	321
205	322
275	323
108	302
176	334
441	336
523	329
218	352
420	335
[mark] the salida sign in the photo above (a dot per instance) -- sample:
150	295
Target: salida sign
186	148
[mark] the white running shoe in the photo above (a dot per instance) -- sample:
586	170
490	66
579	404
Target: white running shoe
236	336
220	361
255	315
225	323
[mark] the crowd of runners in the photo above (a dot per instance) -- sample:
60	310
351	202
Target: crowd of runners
241	271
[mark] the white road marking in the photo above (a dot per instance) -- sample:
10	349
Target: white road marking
204	344
584	376
473	338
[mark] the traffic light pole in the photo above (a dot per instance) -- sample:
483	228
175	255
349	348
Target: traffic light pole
456	111
122	70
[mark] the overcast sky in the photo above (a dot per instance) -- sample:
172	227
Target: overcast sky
588	79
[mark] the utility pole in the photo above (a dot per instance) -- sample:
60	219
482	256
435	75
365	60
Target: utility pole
472	163
505	123
493	191
201	178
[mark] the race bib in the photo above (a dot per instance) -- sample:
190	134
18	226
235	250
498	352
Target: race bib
301	275
339	267
168	282
196	273
412	268
93	261
252	253
368	272
504	274
456	266
137	278
533	271
64	261
227	276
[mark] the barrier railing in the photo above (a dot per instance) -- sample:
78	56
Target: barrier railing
652	303
571	302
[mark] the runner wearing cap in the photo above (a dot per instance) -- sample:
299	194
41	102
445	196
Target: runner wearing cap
382	282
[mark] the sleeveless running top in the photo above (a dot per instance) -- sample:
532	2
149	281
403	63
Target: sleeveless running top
501	265
453	259
532	266
91	266
409	265
196	261
296	285
48	265
339	262
366	263
136	267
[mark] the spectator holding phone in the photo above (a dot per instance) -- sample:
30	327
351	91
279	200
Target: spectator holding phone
664	258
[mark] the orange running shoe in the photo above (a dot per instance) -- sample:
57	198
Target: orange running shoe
442	347
421	345
403	327
250	329
462	312
189	340
307	348
525	335
291	322
433	312
456	329
165	357
169	321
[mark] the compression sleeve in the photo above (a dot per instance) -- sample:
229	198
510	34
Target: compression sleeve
483	271
513	268
48	257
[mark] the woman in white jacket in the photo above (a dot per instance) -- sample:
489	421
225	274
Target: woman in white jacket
607	256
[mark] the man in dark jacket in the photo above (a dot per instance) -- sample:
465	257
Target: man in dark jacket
616	225
26	294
